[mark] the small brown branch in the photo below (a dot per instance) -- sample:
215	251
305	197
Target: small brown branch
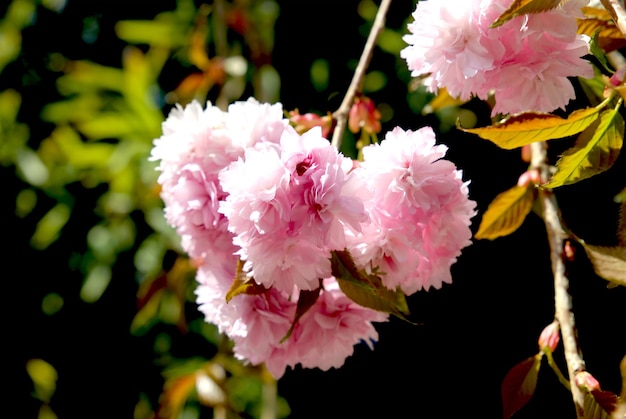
562	299
341	114
618	13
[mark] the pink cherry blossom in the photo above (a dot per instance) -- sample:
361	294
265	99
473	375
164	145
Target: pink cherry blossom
196	145
288	207
525	62
322	338
420	212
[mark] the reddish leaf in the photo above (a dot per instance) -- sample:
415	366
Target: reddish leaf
519	385
306	299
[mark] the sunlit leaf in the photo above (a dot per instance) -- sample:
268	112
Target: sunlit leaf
96	282
594	152
520	130
49	227
599	404
107	125
506	213
598	21
176	392
442	100
44	378
242	284
519	385
608	262
366	289
306	299
161	32
522	7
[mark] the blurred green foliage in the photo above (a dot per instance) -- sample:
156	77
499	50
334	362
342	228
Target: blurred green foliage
100	135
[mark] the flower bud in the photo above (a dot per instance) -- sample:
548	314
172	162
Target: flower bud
531	176
618	77
307	121
364	116
550	337
586	382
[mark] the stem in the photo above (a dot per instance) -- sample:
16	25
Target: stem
618	13
562	299
341	114
557	370
270	394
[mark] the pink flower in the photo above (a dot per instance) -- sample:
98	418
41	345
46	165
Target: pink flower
288	207
322	338
525	62
326	334
420	211
196	145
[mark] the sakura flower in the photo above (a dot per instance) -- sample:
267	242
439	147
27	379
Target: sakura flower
525	63
196	145
322	338
326	334
420	212
288	207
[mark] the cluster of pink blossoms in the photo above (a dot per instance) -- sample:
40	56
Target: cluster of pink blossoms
243	186
525	62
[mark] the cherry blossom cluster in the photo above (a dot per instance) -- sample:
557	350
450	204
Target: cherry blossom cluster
250	196
525	63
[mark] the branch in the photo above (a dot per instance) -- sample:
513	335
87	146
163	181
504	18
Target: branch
618	13
341	114
562	300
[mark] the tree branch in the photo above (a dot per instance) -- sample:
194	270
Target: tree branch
341	114
618	13
562	299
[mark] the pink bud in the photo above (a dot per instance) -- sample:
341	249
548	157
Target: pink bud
526	153
550	337
307	121
618	77
586	382
364	116
530	176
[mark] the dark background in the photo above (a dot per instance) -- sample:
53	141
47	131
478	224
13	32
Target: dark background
469	334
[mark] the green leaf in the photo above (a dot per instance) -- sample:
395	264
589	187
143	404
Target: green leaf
519	385
598	52
608	262
306	299
595	151
506	212
529	127
366	289
523	7
49	227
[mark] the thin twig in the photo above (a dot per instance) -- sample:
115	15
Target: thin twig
618	13
341	114
562	299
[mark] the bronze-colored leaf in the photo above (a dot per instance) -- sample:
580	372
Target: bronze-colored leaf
506	212
242	284
519	385
608	262
523	7
598	22
530	127
599	404
306	299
